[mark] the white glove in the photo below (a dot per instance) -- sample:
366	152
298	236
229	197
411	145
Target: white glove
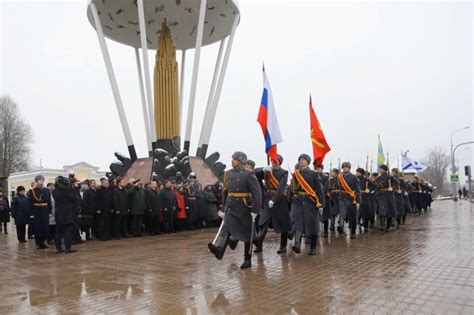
254	215
271	203
267	168
221	214
32	216
390	189
405	193
367	190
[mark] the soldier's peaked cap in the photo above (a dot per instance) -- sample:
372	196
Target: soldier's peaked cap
384	167
360	170
346	164
251	163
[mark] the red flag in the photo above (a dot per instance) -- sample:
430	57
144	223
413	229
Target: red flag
318	140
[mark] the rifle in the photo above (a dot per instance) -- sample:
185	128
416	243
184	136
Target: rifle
367	170
388	172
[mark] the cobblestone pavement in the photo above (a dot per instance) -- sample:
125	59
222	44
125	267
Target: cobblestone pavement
426	267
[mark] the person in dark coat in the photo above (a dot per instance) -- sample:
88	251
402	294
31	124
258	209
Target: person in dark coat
136	197
324	179
76	229
365	208
404	186
242	203
398	196
349	199
121	209
275	211
153	208
308	199
168	203
4	212
65	200
104	209
201	208
385	198
89	209
21	213
40	201
211	205
333	192
190	200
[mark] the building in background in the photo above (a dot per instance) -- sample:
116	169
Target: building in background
81	171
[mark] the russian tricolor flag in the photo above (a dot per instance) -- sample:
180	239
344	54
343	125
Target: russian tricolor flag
267	118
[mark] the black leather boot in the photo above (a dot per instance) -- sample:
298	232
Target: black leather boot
333	223
218	248
297	246
382	223
312	250
232	243
259	241
247	262
388	225
283	243
326	228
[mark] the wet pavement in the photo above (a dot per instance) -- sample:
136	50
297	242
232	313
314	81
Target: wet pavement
426	267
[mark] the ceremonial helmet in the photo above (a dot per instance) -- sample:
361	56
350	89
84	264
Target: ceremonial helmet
305	156
239	156
62	182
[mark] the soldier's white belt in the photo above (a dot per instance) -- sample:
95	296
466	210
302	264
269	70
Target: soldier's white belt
239	195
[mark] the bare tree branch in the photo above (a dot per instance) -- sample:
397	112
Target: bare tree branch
437	161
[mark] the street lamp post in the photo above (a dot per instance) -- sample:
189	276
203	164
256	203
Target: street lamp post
453	167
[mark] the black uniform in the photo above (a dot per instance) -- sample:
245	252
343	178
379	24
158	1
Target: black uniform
21	213
348	201
169	204
153	209
40	203
65	202
89	210
121	212
385	200
365	208
104	206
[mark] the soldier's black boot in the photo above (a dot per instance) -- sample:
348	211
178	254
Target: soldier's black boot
404	218
259	241
283	243
333	223
290	235
297	246
353	231
382	223
218	248
326	228
399	221
232	243
247	262
388	225
312	250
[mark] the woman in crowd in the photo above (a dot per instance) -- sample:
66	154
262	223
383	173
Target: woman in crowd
21	213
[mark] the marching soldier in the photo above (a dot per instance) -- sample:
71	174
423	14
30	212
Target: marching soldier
385	198
405	187
242	203
275	208
326	215
334	191
307	200
398	195
349	199
365	209
40	203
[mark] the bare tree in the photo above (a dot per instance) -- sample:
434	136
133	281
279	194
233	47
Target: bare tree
15	138
437	161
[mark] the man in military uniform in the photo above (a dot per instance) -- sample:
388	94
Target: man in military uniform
333	192
365	209
242	202
405	187
40	203
324	179
398	196
307	200
349	199
385	198
275	211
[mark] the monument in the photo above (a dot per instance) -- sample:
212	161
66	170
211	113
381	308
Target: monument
167	26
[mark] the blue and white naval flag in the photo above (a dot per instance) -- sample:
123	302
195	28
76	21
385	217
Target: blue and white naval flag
410	165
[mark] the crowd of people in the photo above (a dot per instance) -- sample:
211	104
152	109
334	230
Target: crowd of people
111	209
245	205
258	199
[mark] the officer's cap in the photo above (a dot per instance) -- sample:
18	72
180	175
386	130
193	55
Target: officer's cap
305	156
384	167
250	162
346	164
239	156
360	170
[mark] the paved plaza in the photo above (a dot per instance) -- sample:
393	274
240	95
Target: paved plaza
426	267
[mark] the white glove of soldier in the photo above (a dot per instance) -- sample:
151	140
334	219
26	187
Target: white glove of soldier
367	190
254	215
267	168
390	189
270	204
221	214
405	193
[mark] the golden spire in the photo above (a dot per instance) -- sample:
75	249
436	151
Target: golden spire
166	87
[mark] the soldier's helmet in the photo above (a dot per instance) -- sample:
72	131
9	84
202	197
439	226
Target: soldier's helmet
239	156
305	156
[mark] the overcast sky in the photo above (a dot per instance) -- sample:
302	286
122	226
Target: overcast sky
401	70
